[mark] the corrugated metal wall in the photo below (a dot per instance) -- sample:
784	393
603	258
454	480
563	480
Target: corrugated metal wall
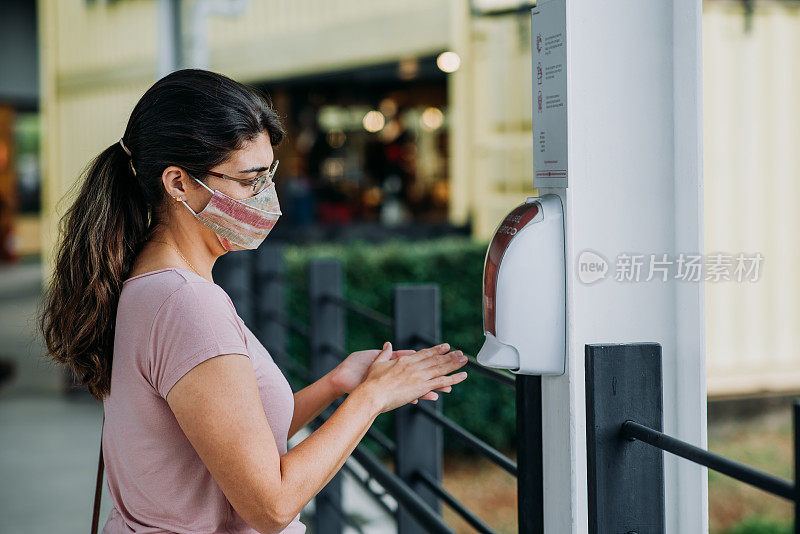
751	100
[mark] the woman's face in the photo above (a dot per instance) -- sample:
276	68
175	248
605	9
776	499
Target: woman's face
247	163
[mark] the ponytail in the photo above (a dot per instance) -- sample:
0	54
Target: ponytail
101	235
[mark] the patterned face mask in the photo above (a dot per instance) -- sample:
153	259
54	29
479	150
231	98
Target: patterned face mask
240	224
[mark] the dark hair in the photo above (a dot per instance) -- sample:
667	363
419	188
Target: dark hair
190	118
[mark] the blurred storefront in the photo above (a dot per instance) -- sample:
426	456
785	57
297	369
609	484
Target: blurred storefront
364	145
20	228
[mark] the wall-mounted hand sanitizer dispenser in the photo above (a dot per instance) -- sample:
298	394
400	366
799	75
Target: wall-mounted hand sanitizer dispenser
524	291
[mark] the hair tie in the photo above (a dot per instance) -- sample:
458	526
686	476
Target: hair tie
128	152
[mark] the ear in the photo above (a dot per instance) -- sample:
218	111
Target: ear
175	182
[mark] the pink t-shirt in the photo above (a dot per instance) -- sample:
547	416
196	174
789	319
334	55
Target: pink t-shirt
168	321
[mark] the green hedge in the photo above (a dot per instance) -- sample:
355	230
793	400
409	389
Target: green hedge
371	271
761	525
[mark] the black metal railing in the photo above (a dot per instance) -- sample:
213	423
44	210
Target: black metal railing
258	285
624	408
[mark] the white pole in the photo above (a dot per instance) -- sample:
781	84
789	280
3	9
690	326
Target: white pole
635	187
169	36
201	11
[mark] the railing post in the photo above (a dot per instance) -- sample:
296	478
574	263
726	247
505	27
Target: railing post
269	289
625	479
327	332
419	440
235	274
530	489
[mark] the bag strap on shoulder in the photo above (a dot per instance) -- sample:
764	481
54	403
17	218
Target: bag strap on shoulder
98	489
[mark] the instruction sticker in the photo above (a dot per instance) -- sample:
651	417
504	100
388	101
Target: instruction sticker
549	36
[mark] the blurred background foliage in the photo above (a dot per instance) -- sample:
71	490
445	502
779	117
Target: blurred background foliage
760	525
371	271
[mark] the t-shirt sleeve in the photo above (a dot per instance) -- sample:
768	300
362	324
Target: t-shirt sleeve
195	323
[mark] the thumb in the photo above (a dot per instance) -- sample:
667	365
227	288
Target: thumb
385	353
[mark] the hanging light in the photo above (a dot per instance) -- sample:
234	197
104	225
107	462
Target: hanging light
373	121
448	62
431	119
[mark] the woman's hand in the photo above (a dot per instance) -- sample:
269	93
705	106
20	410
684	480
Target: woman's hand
346	376
393	382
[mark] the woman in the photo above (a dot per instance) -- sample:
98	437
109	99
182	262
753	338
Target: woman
197	420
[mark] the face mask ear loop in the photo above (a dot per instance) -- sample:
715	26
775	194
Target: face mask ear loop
189	207
204	185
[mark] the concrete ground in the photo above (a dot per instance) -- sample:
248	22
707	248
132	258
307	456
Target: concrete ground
48	463
20	289
49	442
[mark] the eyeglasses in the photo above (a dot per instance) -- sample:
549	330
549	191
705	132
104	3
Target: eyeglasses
258	183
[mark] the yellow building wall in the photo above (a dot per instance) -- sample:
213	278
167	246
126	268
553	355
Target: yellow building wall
28	234
491	112
286	38
96	61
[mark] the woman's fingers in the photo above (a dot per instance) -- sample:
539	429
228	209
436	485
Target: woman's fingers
448	380
440	359
431	351
445	366
427	354
385	354
400	353
425	366
432	395
428	396
437	365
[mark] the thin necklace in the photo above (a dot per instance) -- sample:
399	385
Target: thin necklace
182	256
